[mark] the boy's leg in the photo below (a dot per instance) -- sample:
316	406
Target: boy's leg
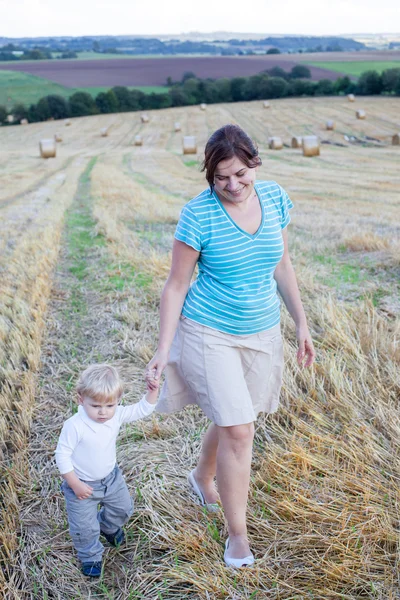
83	525
117	503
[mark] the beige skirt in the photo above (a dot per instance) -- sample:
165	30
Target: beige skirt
232	378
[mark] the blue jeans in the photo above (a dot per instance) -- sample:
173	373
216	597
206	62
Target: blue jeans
86	522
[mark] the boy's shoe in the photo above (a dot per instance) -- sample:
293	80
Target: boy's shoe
115	539
91	569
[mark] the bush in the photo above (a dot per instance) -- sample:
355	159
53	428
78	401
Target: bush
324	87
107	102
58	106
3	113
344	85
369	83
278	72
188	75
40	112
274	87
273	51
300	72
237	88
390	80
82	104
20	112
178	97
128	99
154	101
299	87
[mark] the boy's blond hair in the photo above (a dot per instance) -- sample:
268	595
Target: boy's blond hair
100	382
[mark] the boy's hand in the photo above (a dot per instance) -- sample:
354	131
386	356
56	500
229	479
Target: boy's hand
82	490
152	386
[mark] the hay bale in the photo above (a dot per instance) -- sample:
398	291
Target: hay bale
203	106
275	143
138	140
189	144
296	142
350	97
144	118
10	119
396	139
177	126
310	145
24	122
330	125
47	148
57	137
67	122
266	104
360	114
104	132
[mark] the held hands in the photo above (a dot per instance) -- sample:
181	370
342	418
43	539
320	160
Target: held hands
152	386
82	490
154	369
306	352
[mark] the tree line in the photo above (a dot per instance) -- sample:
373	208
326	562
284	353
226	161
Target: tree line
275	83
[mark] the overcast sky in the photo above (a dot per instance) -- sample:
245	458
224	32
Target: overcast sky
155	17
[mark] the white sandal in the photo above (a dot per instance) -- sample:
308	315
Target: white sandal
236	563
210	507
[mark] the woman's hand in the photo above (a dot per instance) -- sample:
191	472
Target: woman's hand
306	352
155	368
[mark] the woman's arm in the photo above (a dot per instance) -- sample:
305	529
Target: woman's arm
285	278
184	259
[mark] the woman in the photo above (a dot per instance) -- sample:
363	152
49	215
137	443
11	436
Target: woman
220	338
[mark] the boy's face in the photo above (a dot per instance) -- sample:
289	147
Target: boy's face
100	412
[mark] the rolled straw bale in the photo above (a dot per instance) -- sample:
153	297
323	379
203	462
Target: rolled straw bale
350	97
10	119
296	142
189	144
360	114
144	118
266	104
23	122
177	126
57	137
396	139
275	143
47	148
67	122
138	140
104	132
330	125
203	106
310	145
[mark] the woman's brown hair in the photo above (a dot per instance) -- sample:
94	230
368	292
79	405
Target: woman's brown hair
225	143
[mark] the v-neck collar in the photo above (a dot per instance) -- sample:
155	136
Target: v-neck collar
252	236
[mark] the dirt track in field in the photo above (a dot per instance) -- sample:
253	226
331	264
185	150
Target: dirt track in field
154	71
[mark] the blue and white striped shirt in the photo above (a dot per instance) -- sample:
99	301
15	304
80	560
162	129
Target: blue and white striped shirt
235	290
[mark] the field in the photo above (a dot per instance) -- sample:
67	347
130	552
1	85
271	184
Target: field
17	87
356	68
154	71
85	244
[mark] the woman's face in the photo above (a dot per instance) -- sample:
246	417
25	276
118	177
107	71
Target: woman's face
234	181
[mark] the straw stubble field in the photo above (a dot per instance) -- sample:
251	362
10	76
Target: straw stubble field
85	249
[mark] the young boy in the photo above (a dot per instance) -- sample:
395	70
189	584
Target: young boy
86	459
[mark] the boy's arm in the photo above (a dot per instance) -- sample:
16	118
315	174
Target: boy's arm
67	442
141	409
81	489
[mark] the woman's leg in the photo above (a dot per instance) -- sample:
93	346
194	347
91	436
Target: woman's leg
207	465
233	479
